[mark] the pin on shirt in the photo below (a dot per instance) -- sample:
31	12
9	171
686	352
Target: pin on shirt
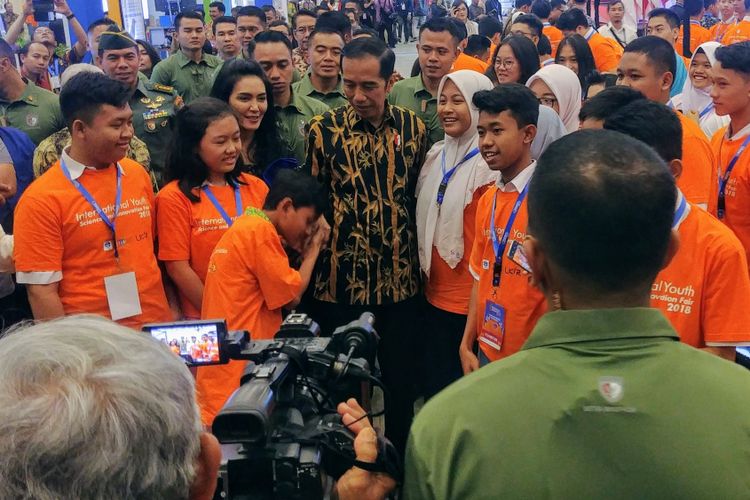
397	141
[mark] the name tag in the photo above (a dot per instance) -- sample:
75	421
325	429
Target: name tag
493	325
122	295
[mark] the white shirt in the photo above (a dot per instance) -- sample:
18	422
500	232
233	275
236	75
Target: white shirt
626	34
519	182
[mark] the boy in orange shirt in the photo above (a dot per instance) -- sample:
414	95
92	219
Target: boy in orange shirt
704	291
543	10
648	66
84	231
607	52
731	96
249	279
503	307
698	34
740	32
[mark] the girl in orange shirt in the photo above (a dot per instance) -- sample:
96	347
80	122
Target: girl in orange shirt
243	85
207	192
453	178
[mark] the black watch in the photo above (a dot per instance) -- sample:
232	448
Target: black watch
71	16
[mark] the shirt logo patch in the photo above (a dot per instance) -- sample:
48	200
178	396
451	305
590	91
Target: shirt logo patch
32	120
485	264
612	389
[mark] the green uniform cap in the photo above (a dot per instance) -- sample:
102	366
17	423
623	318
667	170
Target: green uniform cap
114	39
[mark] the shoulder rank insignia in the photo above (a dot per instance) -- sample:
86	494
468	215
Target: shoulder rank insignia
162	88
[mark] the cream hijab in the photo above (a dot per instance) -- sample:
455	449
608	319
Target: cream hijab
565	85
692	101
442	226
549	128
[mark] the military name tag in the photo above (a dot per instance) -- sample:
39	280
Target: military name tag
155	115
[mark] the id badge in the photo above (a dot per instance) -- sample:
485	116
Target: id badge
493	325
122	295
518	256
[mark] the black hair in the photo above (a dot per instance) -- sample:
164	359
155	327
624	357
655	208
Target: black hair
320	9
218	5
104	21
596	78
521	3
268	8
253	11
608	101
303	189
554	4
524	51
673	20
375	47
693	7
6	51
584	57
489	26
532	22
441	25
186	14
735	57
184	164
223	19
458	3
280	22
272	37
25	49
651	123
416	68
591	192
324	30
541	8
364	30
82	96
615	2
460	28
302	12
544	47
657	50
266	139
151	51
477	45
515	98
335	20
708	3
571	19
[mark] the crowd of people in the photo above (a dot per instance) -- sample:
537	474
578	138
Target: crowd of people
476	207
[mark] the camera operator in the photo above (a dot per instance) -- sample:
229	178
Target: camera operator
79	397
249	278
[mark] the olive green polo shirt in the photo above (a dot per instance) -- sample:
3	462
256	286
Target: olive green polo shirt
294	122
191	79
411	94
331	99
36	112
597	404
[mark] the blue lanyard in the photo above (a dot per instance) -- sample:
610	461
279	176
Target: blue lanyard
449	174
706	110
680	212
222	212
84	192
723	179
499	246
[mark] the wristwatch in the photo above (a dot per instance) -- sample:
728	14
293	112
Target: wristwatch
70	16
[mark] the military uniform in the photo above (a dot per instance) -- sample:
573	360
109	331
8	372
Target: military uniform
332	99
154	106
294	122
36	112
412	94
191	80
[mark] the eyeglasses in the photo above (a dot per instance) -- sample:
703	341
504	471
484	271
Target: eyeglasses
506	63
547	101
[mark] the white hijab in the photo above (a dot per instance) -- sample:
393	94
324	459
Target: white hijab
693	101
442	227
564	83
549	128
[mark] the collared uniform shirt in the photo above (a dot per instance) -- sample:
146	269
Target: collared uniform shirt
598	403
36	112
411	94
294	122
332	99
191	79
370	174
626	34
740	32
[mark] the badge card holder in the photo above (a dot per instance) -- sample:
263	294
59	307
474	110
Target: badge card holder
493	325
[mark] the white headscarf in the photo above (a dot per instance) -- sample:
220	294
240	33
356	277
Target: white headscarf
564	83
442	227
692	101
549	128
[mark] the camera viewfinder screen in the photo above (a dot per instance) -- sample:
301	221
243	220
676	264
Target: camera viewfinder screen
196	344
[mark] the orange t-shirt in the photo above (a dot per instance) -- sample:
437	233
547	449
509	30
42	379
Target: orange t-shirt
468	62
737	192
705	289
450	289
607	53
719	29
190	231
698	164
555	37
57	230
740	32
698	36
522	303
248	281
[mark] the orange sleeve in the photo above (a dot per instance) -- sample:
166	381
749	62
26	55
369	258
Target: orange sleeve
699	166
38	236
606	56
173	219
279	283
726	309
477	250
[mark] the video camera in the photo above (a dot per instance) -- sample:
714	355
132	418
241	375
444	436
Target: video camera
280	432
